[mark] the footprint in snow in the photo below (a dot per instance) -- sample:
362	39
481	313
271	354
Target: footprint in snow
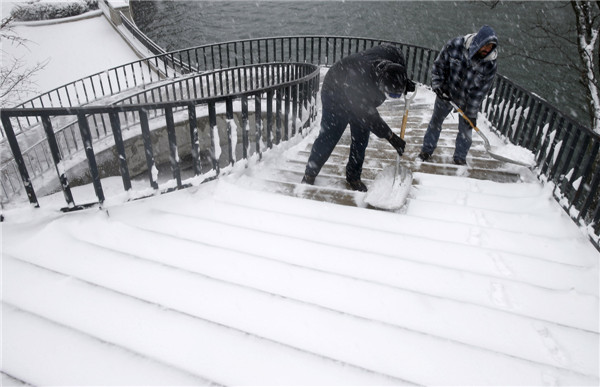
557	353
501	265
499	297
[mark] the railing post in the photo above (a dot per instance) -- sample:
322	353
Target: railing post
278	100
173	152
193	124
592	186
231	132
294	91
270	119
120	146
152	171
215	146
56	157
245	127
16	151
258	124
286	121
86	137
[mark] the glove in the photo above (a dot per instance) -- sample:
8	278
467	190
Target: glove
441	95
410	86
397	143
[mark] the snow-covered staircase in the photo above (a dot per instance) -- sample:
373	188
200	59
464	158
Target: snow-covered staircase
331	186
480	280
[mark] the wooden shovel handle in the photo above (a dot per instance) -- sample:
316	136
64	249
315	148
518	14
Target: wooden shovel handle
403	128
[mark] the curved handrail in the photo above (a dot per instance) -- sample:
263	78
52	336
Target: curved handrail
297	83
206	57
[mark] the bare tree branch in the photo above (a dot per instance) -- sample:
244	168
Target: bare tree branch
16	79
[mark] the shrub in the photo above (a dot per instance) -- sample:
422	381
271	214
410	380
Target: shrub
45	10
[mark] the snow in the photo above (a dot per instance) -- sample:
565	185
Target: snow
390	188
74	50
474	283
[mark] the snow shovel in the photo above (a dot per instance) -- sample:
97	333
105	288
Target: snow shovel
384	195
486	143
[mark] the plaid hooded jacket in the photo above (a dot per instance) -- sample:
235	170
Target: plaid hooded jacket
459	73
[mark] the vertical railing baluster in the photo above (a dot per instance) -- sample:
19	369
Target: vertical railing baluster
565	154
120	147
173	151
270	119
194	139
548	161
278	101
231	132
286	121
215	145
258	124
149	153
590	173
57	158
245	127
86	137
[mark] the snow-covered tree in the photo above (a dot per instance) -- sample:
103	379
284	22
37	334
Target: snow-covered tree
559	43
587	20
15	74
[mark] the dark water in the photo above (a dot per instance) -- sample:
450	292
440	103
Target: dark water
182	24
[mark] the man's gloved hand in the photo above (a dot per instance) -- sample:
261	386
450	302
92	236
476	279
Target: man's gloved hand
440	93
397	143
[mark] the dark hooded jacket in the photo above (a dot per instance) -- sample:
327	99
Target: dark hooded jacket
461	74
351	86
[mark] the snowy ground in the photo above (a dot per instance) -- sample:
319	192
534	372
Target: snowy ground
72	50
474	283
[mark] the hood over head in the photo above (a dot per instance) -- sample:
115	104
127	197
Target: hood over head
485	35
392	77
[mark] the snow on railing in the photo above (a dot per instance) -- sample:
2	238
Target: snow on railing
566	153
269	84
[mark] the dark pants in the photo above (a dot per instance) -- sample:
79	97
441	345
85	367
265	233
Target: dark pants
333	125
441	110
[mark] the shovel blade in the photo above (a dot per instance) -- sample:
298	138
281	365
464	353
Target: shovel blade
390	188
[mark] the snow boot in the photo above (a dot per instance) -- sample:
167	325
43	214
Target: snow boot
458	161
424	156
310	180
357	185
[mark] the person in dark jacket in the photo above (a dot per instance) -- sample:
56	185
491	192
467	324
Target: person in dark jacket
463	72
352	90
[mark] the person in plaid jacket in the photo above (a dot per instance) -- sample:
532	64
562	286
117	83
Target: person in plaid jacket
463	72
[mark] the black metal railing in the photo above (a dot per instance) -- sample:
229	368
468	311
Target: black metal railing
289	91
318	50
131	78
566	152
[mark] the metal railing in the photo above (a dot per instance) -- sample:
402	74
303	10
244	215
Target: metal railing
566	152
318	50
289	91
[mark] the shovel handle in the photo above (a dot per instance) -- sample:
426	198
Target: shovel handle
405	118
486	142
459	110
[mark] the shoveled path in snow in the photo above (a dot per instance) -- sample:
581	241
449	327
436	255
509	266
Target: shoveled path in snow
480	280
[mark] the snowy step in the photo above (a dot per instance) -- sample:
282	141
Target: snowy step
118	260
173	337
